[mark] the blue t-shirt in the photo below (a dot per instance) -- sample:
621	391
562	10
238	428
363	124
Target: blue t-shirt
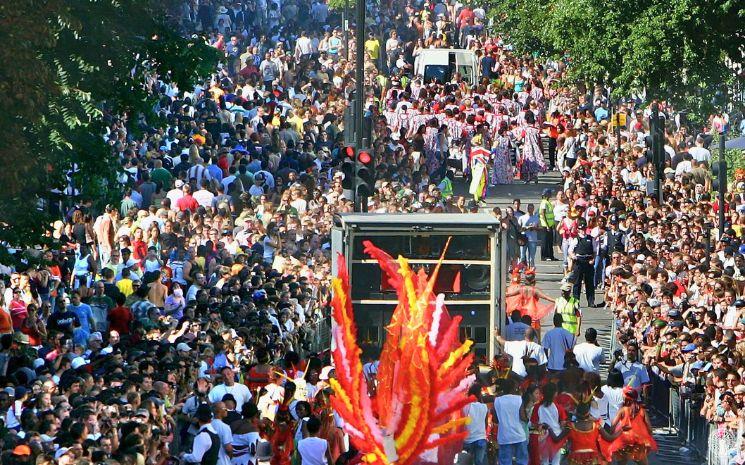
84	314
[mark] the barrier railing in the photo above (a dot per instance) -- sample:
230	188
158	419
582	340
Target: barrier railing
701	440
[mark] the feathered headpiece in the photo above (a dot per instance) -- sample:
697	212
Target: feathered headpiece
422	376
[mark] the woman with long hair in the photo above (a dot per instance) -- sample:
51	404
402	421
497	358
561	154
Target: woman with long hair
588	442
635	441
550	419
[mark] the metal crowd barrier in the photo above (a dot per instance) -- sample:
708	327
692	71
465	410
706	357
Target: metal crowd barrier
701	440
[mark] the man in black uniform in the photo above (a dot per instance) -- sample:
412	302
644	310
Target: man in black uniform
583	259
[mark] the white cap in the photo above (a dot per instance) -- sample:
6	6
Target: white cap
325	372
179	184
78	362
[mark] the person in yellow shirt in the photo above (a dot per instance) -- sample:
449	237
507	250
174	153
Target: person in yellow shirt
372	46
125	284
295	120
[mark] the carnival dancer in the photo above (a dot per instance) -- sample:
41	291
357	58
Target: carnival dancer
635	441
501	172
527	299
531	158
282	437
548	418
479	168
589	443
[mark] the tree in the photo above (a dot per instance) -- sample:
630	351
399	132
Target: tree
67	65
669	48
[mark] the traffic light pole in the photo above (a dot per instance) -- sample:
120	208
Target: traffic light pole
654	121
345	29
359	77
722	181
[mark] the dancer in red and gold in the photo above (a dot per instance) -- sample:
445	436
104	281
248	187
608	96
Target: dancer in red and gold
636	441
527	298
282	437
588	441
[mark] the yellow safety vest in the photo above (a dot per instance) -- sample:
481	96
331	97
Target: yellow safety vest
548	208
568	311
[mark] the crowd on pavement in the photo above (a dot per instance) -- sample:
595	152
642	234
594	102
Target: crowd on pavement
189	320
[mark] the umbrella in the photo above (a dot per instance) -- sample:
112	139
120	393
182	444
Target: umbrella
736	143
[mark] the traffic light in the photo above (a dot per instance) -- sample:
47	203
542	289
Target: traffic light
347	168
719	176
365	174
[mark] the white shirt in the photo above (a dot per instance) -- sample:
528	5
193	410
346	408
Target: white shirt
613	401
589	356
511	429
700	154
204	198
226	437
202	443
312	450
240	391
477	427
174	195
550	416
519	349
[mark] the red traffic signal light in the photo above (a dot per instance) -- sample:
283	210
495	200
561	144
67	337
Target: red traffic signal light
364	157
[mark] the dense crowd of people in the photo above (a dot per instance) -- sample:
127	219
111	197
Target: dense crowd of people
189	321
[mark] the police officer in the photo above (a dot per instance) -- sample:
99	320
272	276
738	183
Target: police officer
583	258
548	224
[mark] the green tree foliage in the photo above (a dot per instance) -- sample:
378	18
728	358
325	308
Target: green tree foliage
65	66
670	48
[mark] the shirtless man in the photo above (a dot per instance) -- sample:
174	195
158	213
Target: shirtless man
158	292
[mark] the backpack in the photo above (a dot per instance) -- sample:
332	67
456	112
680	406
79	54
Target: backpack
211	456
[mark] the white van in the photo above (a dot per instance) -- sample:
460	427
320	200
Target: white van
441	64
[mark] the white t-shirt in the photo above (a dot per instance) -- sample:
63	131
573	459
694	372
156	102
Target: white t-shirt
477	428
519	349
589	356
550	416
240	391
226	437
511	429
613	401
312	451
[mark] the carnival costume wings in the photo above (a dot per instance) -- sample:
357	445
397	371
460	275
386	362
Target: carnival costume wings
423	373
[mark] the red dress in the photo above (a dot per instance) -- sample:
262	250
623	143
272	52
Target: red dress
527	302
588	447
636	442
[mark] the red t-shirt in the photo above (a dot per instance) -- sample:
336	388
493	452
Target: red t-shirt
187	202
120	318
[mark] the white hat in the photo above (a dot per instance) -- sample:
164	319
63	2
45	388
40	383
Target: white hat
78	362
325	372
38	362
95	336
179	184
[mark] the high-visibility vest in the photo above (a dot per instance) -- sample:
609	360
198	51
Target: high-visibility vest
568	311
548	209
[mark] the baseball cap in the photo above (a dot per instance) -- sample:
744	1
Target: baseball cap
21	450
179	184
183	347
78	362
60	452
690	348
